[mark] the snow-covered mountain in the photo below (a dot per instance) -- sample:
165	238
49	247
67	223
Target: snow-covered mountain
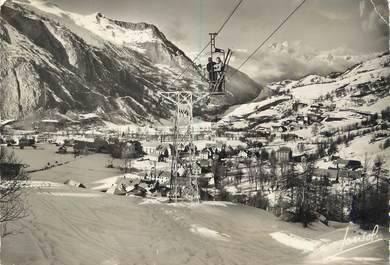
292	60
68	63
362	88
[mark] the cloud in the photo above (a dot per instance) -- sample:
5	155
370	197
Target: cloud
336	16
285	60
175	31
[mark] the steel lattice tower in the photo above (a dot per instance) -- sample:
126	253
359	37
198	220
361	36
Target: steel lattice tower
186	187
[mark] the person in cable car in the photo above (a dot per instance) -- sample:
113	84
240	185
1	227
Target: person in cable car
218	69
210	70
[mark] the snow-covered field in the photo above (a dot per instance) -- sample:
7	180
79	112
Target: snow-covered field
70	225
252	108
361	146
38	158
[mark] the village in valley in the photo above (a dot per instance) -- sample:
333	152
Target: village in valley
246	157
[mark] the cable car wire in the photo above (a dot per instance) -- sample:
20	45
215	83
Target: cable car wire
231	14
266	39
207	45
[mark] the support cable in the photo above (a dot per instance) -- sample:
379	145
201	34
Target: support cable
207	45
268	37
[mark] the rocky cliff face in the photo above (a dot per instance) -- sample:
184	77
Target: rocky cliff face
62	61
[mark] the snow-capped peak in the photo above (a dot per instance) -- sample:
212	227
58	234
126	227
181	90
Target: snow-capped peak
109	30
98	24
45	6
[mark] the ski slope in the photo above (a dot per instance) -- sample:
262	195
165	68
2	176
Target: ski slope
69	226
72	226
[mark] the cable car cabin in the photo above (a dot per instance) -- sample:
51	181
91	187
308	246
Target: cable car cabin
217	69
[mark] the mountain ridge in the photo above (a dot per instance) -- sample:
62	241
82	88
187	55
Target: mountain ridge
362	87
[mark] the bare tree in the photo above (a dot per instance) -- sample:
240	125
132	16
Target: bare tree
251	171
13	181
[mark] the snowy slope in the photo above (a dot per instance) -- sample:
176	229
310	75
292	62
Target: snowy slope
250	108
368	71
364	88
76	226
73	226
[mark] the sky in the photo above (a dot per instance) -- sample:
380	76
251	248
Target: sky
323	36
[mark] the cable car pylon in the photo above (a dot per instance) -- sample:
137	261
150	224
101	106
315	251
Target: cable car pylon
183	182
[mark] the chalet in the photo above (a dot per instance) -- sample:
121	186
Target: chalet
316	106
299	105
47	125
181	147
334	118
289	137
298	157
82	146
304	119
196	169
204	154
166	137
165	149
349	164
150	148
283	154
234	135
242	154
68	142
338	173
24	141
263	131
257	141
203	127
205	163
